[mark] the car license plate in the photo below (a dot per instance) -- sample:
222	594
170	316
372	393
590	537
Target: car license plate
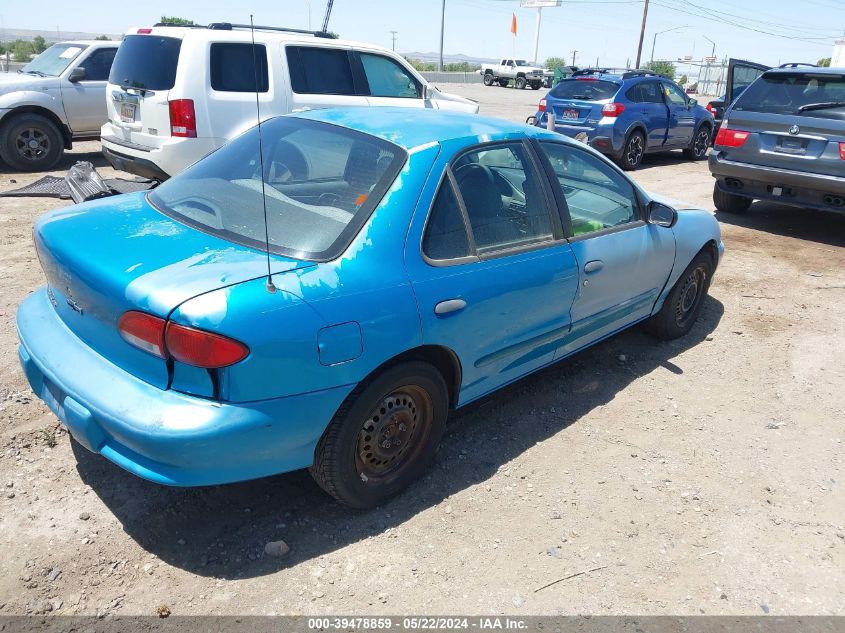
127	112
570	113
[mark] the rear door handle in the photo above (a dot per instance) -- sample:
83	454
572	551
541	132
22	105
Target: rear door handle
449	306
593	266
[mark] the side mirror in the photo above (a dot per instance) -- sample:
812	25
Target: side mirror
661	214
692	102
532	120
77	74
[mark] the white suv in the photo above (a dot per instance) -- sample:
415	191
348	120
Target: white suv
177	93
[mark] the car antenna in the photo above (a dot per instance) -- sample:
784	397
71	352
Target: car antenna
270	287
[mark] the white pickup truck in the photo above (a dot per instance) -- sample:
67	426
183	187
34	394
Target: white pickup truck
519	71
58	98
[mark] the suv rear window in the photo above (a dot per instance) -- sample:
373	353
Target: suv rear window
321	182
585	89
235	66
147	62
322	71
788	93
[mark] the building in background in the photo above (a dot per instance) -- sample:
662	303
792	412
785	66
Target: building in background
838	57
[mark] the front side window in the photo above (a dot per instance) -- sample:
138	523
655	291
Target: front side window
53	61
98	64
674	94
388	79
234	67
598	196
324	71
321	183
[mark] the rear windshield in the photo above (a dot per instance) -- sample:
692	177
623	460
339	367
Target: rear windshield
585	89
818	95
321	182
147	62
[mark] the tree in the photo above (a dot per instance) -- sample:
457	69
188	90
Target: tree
22	51
683	80
176	20
39	45
824	61
666	69
422	66
104	38
555	62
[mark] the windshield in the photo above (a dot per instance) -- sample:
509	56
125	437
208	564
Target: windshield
321	181
787	93
147	62
53	61
585	89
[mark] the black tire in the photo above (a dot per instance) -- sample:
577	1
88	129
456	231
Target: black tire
547	83
632	152
699	144
488	79
683	304
503	83
730	203
536	85
30	142
359	472
519	82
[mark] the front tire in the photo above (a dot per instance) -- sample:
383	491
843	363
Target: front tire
520	82
728	202
30	142
683	305
384	436
536	85
488	79
632	152
503	83
699	144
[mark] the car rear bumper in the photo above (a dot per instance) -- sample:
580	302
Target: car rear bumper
600	137
785	186
162	435
173	156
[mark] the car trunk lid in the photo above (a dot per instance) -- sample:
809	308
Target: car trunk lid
107	257
580	100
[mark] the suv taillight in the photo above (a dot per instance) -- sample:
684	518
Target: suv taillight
542	106
612	109
842	151
730	138
183	120
186	344
709	107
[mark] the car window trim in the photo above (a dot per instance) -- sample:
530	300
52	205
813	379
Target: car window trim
564	206
558	232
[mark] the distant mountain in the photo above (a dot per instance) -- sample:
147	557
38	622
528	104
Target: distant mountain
449	59
9	35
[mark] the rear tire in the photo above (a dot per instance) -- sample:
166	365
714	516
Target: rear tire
488	79
699	144
728	202
384	436
632	152
536	85
503	83
30	142
683	304
520	82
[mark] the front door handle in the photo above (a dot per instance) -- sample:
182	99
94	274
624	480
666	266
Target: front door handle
593	266
449	306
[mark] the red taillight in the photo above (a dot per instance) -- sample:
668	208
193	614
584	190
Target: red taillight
730	138
144	331
612	109
542	106
203	349
183	120
842	151
186	344
144	31
709	108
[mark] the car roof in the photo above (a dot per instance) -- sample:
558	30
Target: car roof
90	42
413	127
807	70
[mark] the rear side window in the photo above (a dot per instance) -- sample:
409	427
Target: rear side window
324	71
234	67
808	94
585	89
445	234
645	92
147	62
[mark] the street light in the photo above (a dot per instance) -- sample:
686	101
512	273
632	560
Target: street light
654	41
713	52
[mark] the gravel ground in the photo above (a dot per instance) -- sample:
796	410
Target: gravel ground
698	476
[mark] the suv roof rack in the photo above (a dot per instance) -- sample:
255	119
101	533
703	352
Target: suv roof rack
797	64
228	26
626	73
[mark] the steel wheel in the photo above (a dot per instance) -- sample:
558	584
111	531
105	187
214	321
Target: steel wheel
691	291
684	303
393	434
30	142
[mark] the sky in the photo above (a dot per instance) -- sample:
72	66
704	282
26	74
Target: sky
767	31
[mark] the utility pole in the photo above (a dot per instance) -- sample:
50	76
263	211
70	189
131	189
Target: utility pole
393	36
573	56
642	35
537	33
442	29
713	52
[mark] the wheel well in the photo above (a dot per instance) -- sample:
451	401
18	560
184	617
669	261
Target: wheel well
47	114
441	358
712	249
520	75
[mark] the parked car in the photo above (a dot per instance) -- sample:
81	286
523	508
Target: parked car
783	139
57	98
404	247
177	93
519	71
627	114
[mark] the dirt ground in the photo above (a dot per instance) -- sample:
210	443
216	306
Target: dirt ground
699	476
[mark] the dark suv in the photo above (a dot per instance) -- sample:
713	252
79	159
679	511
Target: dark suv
783	140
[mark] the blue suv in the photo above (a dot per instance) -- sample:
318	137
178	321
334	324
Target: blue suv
627	114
